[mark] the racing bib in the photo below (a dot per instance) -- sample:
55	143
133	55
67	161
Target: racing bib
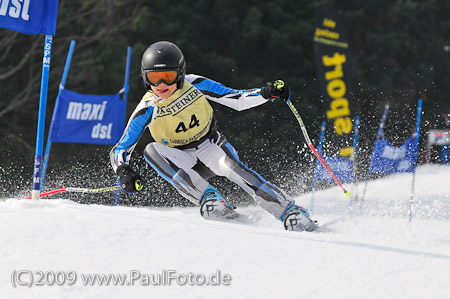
182	118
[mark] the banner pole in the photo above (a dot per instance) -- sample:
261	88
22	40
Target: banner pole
41	118
75	189
355	150
416	135
61	88
380	132
126	88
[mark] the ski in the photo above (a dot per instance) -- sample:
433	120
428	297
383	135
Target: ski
216	210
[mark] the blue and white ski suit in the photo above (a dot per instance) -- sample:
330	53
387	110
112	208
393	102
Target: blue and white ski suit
188	149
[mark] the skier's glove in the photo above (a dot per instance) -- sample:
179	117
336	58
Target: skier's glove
130	181
276	90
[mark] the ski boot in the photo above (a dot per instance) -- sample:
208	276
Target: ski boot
296	218
214	206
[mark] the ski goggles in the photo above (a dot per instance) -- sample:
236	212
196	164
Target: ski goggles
168	77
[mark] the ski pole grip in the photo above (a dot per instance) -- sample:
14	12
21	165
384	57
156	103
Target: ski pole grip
279	84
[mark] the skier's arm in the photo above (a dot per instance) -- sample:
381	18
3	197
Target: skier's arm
233	98
121	152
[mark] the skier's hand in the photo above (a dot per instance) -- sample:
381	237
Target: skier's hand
276	90
130	181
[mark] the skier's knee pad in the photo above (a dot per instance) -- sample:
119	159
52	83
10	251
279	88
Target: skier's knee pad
150	150
158	163
153	157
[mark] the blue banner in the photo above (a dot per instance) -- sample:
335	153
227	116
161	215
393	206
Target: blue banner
389	159
83	118
29	16
341	167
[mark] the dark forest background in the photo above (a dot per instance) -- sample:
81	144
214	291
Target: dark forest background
400	54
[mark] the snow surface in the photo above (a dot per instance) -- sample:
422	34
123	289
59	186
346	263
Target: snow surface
370	251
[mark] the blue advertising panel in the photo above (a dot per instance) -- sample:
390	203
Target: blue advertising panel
83	118
390	159
341	167
29	16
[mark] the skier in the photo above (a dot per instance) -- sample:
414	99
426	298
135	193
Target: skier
188	149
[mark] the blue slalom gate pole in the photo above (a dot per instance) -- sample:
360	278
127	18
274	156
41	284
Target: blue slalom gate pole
355	149
380	132
126	88
116	198
61	87
319	149
35	193
417	135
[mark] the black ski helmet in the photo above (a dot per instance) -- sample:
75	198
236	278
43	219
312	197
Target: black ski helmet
163	56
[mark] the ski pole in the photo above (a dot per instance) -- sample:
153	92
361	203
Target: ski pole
279	85
75	189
